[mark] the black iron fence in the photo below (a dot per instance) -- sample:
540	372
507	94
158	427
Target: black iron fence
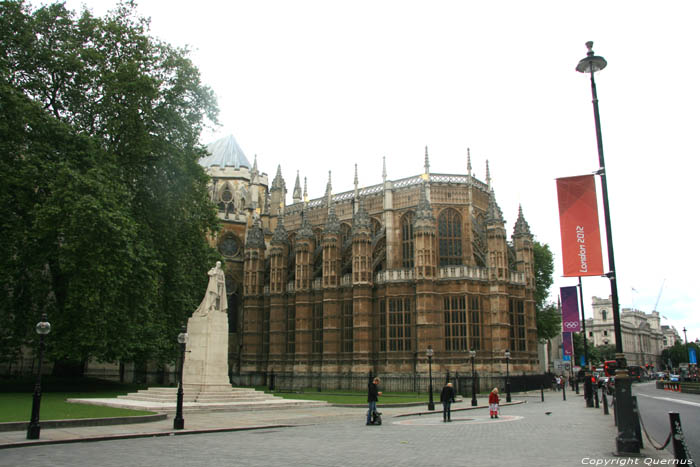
395	383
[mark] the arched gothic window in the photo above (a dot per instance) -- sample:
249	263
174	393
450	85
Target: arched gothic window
407	245
604	313
450	237
376	227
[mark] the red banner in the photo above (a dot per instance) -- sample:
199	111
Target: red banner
580	231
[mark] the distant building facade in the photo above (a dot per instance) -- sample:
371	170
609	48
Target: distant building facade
364	281
670	336
642	335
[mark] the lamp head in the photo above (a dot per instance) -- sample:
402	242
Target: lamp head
429	352
507	353
43	327
472	353
182	337
592	62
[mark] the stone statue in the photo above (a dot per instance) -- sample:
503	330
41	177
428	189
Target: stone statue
206	364
215	296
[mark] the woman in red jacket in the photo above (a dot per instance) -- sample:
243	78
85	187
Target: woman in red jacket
493	403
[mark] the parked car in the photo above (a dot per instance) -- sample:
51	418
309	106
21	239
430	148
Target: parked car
603	381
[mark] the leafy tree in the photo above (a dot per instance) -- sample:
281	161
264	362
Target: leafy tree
677	353
547	315
103	206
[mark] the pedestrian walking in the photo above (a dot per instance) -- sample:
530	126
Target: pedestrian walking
373	394
493	403
557	382
447	397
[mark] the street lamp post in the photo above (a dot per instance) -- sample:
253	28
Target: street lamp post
43	327
472	354
587	385
429	353
179	422
507	376
626	441
687	349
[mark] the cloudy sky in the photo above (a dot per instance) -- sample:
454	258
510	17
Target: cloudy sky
323	85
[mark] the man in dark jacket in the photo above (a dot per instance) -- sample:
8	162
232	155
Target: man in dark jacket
447	397
372	397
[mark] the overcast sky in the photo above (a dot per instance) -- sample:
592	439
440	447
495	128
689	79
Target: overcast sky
322	85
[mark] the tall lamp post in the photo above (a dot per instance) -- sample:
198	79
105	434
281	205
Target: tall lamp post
587	385
687	349
179	422
626	441
43	327
472	354
507	376
429	353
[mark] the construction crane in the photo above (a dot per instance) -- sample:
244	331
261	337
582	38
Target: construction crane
658	298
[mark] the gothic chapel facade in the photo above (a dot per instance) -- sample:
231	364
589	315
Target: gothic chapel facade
364	281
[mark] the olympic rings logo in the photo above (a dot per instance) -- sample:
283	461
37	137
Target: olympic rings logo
571	324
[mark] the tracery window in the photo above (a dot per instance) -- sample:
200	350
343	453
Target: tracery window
381	311
317	333
455	310
407	241
474	322
516	311
347	326
450	237
400	323
291	329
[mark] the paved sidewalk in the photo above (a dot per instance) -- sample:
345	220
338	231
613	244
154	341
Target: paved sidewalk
529	433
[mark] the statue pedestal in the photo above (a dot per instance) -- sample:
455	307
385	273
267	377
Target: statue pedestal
206	357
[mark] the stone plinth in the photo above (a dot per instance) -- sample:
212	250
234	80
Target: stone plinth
206	356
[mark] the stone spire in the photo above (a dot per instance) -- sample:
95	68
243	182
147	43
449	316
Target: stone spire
332	223
255	237
254	172
305	231
521	225
296	195
280	234
488	175
427	162
360	220
424	212
384	169
495	215
356	182
278	181
469	163
329	190
306	192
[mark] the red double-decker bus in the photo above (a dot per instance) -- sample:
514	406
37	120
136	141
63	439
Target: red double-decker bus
609	367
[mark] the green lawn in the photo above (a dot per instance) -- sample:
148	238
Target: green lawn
16	399
17	407
350	397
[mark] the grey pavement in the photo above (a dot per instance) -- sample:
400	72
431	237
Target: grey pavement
530	433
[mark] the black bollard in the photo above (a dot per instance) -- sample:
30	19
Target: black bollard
680	449
542	392
637	426
563	391
576	387
605	404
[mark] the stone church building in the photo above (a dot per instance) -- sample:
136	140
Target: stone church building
366	280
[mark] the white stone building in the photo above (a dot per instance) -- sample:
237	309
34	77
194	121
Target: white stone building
642	334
